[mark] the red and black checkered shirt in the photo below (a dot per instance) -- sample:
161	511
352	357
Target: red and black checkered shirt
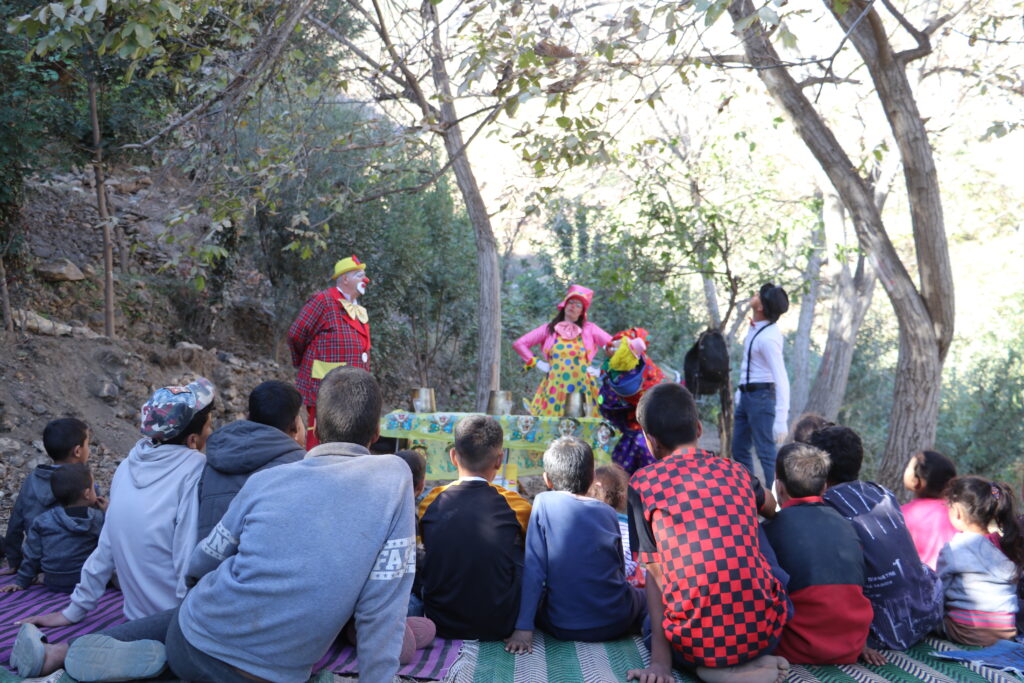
323	331
695	515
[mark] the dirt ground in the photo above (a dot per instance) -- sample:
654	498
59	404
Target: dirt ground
105	384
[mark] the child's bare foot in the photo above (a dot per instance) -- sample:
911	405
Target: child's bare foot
766	669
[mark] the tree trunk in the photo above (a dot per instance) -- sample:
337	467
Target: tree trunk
101	205
888	73
852	292
852	296
801	361
5	295
488	374
921	349
726	408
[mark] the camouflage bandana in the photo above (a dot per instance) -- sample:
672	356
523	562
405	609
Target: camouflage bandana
168	412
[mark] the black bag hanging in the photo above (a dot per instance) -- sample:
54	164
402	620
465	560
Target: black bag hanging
706	365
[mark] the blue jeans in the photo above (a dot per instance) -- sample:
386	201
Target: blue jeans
185	661
755	417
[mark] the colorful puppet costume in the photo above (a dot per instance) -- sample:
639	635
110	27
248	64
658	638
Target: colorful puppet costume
627	375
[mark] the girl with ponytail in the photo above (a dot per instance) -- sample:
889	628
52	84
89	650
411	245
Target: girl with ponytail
981	565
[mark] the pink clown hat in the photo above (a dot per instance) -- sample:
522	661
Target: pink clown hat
578	292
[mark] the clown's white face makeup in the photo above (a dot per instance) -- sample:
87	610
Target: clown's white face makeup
573	310
351	283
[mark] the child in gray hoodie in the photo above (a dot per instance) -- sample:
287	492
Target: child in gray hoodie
62	538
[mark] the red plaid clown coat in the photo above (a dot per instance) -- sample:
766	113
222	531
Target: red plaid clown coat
324	332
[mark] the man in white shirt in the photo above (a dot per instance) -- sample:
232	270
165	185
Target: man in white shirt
762	400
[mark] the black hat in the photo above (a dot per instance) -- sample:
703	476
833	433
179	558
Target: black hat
774	301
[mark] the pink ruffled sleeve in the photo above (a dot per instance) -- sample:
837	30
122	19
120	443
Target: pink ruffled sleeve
534	337
594	338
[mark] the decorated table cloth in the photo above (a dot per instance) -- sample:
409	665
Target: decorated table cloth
526	437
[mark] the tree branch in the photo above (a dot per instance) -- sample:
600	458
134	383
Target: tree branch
262	59
924	43
821	80
412	82
352	47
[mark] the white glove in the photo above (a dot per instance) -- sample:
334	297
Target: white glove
593	372
543	366
736	400
780	431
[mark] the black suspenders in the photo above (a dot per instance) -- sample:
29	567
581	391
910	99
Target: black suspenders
750	349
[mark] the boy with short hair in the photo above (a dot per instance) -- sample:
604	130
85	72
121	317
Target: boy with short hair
713	600
823	557
66	441
62	538
150	527
272	435
473	532
905	594
574	586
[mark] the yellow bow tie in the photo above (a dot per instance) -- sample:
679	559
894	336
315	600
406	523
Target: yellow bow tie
355	311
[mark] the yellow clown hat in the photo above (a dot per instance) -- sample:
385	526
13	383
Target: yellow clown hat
346	265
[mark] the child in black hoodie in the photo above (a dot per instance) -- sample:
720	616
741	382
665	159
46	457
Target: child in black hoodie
273	435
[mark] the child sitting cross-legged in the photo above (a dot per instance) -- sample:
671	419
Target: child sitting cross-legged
926	476
473	535
821	552
715	604
62	538
905	594
574	584
981	565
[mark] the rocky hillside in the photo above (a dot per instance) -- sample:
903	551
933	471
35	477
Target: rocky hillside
58	364
104	383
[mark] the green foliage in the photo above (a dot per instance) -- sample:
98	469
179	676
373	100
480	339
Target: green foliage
589	246
868	397
982	402
132	30
280	203
979	423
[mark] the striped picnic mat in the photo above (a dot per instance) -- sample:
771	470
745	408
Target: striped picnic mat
431	663
571	662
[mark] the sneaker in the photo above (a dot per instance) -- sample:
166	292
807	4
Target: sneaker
101	658
29	653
